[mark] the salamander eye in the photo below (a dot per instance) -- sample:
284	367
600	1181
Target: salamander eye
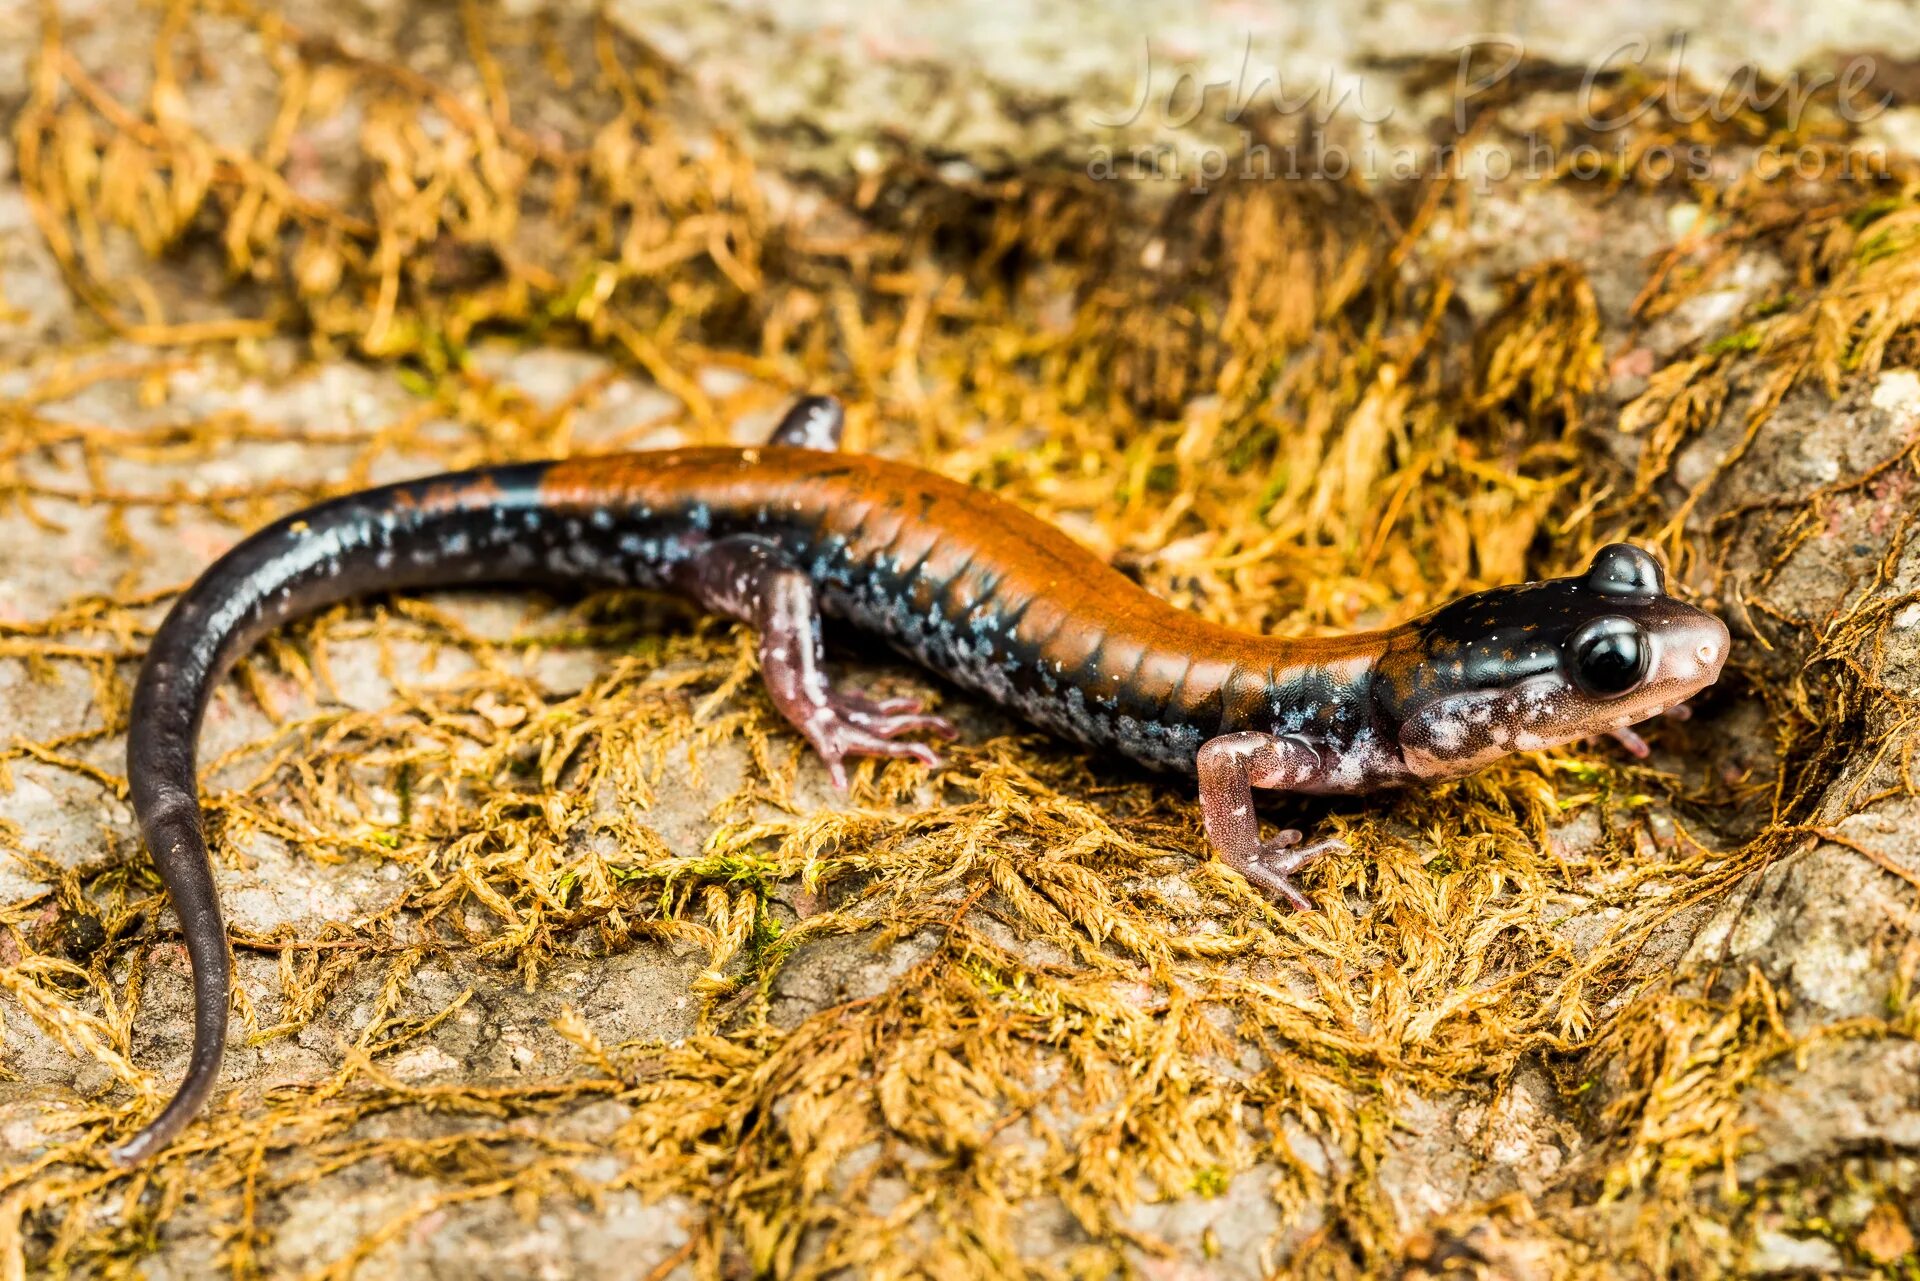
1621	569
1609	656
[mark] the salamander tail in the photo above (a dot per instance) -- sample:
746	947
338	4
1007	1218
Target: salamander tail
453	528
189	878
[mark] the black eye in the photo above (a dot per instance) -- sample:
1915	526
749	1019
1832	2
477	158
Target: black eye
1609	656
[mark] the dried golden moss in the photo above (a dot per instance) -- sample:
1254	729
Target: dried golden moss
1256	406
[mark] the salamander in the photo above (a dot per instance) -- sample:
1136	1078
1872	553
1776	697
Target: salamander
788	534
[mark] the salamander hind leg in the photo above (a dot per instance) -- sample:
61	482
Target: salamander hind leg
751	579
1230	767
814	422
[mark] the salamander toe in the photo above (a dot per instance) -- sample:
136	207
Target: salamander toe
847	723
1272	867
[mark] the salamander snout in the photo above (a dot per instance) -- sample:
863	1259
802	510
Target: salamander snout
1705	641
1685	650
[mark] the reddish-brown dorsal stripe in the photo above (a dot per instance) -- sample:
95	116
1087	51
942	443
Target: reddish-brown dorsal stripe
973	542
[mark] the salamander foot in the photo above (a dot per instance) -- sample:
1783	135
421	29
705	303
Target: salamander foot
1271	866
843	723
814	422
749	578
1637	746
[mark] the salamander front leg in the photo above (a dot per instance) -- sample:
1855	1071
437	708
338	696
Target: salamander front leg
814	422
1230	767
1637	746
751	579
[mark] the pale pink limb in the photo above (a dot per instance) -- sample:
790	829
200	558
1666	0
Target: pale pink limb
750	579
1230	767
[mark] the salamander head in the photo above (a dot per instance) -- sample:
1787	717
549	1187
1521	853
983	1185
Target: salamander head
1532	666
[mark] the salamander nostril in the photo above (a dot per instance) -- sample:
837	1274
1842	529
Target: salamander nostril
1707	650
